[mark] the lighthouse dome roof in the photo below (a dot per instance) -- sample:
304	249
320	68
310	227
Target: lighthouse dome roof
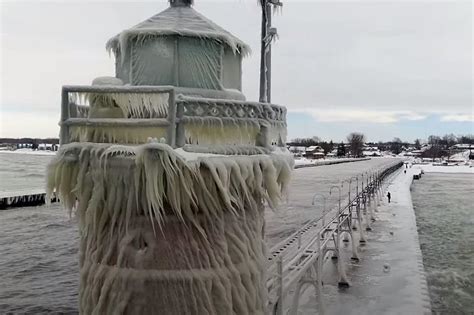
181	21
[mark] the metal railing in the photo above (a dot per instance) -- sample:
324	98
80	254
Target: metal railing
181	111
70	118
298	260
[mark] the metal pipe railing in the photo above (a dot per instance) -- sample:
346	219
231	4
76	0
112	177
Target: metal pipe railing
69	113
180	109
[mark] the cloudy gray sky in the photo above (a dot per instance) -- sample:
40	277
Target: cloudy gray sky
385	68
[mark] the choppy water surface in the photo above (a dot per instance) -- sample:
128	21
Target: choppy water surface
39	272
22	172
444	206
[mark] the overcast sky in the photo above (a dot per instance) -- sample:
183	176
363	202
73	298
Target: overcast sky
385	68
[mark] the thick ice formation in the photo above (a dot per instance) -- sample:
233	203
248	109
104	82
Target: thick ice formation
204	119
132	105
159	232
226	149
182	21
109	134
215	130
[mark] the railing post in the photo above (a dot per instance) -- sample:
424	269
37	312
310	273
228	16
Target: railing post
172	119
279	310
319	275
338	228
180	132
359	220
324	207
65	114
324	213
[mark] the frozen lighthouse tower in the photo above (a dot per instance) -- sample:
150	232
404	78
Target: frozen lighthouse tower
182	48
168	169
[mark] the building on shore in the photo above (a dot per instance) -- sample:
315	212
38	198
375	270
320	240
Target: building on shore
314	152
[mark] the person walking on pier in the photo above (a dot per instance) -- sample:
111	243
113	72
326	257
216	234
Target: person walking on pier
389	196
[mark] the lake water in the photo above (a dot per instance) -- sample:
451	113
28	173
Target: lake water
22	172
444	207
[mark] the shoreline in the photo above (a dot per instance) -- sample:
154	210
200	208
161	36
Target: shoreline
322	162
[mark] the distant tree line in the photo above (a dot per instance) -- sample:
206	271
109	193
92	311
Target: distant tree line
313	141
354	148
29	140
32	142
438	146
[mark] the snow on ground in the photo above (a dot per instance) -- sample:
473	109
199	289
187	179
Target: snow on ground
430	168
461	156
303	162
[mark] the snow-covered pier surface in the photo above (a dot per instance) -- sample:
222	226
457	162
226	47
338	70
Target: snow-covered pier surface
389	278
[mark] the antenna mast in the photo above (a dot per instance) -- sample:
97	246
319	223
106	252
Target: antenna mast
269	33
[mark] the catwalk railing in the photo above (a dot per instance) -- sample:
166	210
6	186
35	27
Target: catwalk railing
299	260
159	112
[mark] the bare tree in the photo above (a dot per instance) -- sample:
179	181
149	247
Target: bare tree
356	142
435	147
448	140
396	146
341	150
467	139
306	141
417	144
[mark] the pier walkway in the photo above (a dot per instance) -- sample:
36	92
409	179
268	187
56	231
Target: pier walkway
389	278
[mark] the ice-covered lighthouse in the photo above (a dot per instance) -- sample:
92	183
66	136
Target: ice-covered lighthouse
168	169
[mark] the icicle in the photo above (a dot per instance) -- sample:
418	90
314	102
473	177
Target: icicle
184	235
220	131
157	161
132	105
227	149
124	135
153	224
